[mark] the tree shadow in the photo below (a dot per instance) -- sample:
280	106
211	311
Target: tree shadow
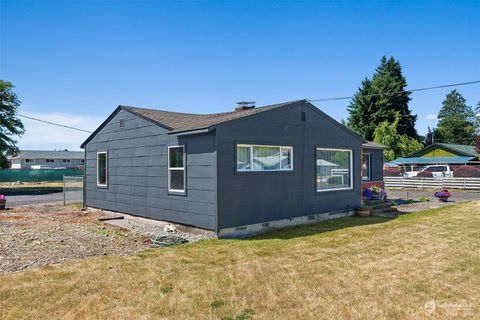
319	228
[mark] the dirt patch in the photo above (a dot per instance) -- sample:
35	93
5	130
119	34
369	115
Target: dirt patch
38	235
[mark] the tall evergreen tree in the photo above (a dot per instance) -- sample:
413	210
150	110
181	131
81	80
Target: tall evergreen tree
456	120
10	125
381	99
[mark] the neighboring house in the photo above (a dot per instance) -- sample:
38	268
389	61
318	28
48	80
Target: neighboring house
42	159
236	172
439	153
372	164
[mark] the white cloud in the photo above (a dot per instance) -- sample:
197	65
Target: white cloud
431	117
45	136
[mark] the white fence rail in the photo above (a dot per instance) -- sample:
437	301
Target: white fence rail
432	183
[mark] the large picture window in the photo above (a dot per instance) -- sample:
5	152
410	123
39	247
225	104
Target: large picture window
102	169
366	166
334	169
264	158
176	169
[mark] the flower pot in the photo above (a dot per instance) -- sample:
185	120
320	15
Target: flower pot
3	204
363	212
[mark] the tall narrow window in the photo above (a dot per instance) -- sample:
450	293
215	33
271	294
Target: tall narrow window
366	166
176	169
264	158
102	170
334	169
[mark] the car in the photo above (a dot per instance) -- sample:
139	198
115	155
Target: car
438	171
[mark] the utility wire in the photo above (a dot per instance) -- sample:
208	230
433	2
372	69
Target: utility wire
400	92
53	123
311	100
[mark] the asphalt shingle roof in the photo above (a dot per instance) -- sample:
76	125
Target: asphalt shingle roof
179	122
373	145
46	154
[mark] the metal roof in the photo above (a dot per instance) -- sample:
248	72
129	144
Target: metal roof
463	150
46	154
433	160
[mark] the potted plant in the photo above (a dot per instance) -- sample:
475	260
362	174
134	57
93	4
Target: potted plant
377	193
3	202
364	212
443	195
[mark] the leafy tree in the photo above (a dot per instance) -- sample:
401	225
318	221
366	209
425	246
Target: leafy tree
456	120
380	99
10	125
399	145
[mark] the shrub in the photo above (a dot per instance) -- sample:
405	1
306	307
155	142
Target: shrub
467	172
392	172
425	174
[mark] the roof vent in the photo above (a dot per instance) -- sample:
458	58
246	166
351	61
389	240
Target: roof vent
244	105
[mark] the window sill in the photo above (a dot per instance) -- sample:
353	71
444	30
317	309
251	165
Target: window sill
177	193
102	186
332	190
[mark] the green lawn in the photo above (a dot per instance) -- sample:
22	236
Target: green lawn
419	266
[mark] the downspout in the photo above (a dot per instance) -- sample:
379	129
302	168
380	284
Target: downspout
84	188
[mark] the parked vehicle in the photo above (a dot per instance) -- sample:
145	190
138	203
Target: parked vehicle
437	171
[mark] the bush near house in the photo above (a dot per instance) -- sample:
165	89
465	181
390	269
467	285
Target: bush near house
466	172
425	174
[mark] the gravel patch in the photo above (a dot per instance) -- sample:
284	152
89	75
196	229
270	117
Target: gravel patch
156	228
404	198
34	236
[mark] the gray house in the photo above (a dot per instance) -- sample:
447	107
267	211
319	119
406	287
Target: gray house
236	173
44	159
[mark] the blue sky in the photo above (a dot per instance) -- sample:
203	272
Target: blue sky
73	62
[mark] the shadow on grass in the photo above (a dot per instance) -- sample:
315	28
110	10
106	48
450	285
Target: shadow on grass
318	228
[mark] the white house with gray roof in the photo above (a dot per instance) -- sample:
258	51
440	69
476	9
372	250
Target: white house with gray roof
44	159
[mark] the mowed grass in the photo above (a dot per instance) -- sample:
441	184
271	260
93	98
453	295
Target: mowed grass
420	266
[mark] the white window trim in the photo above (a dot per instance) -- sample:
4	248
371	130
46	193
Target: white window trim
47	160
33	160
351	170
66	161
250	146
106	169
368	178
182	168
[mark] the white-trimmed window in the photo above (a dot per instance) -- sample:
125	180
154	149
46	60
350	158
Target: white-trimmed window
366	166
102	169
50	160
66	160
29	160
264	158
176	169
334	169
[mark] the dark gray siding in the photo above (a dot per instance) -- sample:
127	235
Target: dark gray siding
137	172
247	198
376	165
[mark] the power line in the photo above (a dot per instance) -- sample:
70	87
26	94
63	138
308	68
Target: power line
53	123
400	92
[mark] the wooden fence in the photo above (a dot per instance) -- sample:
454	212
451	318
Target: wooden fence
432	183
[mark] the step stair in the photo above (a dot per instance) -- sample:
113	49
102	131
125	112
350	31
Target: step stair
381	208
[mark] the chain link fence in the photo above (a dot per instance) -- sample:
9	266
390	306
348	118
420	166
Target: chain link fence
72	189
